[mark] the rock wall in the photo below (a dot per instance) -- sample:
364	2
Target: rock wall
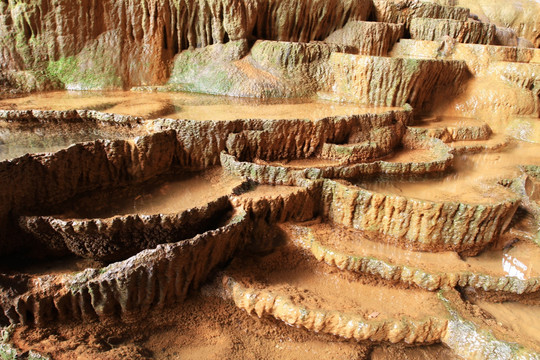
462	31
114	43
152	278
393	81
267	69
396	11
519	15
114	239
367	38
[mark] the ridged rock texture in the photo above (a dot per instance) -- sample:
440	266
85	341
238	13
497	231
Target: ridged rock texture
367	38
415	272
349	326
104	44
521	16
450	133
152	278
478	57
317	230
393	81
417	224
268	173
114	239
80	168
462	31
188	144
403	11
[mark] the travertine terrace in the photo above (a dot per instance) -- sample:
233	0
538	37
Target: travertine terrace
257	179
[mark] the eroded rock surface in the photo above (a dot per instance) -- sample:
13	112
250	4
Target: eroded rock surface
372	182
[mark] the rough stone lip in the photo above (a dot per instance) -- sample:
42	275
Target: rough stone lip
168	272
414	274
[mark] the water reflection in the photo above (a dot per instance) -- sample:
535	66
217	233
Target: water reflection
191	106
167	196
474	177
513	266
20	138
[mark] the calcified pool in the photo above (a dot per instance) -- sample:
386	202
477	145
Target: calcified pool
151	105
451	202
283	180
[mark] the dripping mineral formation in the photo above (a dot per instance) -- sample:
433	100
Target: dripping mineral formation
256	179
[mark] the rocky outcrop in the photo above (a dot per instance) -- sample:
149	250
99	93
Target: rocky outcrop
150	279
256	285
49	131
349	326
371	146
462	31
78	169
471	339
269	69
497	143
449	133
192	145
89	44
367	38
281	203
304	138
520	16
522	75
392	81
478	57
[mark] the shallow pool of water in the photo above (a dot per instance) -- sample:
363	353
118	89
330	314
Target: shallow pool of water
474	179
20	138
151	105
170	196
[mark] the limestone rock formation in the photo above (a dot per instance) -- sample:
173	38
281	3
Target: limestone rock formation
463	31
392	81
372	173
367	38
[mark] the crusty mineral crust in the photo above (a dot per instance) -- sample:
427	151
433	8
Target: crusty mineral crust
469	339
120	44
349	326
392	81
191	145
417	224
265	70
279	175
462	31
495	144
152	278
114	239
373	145
367	37
424	278
478	57
78	169
403	11
452	133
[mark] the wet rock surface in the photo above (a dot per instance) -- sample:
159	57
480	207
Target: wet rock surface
373	184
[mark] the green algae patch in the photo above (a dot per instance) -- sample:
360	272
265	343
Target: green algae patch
75	74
